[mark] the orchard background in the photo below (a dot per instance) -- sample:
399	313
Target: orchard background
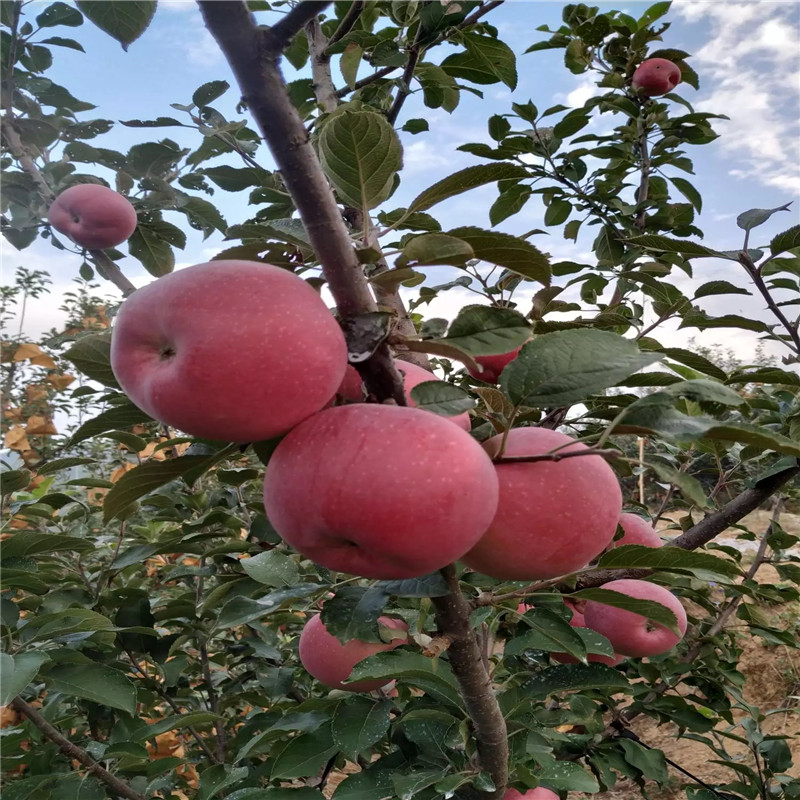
151	612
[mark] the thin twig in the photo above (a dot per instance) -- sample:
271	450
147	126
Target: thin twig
376	76
348	21
282	33
71	750
557	456
404	90
213	702
111	272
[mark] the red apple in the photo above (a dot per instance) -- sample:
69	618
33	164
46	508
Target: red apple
493	365
235	351
637	531
380	491
93	216
655	77
539	793
331	662
632	634
553	517
577	621
352	388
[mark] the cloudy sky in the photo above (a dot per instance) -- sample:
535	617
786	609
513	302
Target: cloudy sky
747	55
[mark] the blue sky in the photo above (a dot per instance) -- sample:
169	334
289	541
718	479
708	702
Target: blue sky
747	55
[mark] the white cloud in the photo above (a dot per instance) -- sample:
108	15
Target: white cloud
749	71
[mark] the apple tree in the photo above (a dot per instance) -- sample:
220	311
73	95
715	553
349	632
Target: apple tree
270	553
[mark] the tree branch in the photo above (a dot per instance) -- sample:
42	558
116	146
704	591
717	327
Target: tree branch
348	21
452	619
282	33
254	63
404	89
376	76
213	702
111	272
71	750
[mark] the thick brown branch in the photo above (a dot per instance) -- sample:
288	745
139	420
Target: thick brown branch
452	619
255	66
71	750
282	33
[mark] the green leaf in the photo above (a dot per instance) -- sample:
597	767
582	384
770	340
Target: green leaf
276	793
133	442
358	723
17	672
442	398
304	755
548	632
154	252
209	92
649	761
509	202
94	682
433	249
569	677
718	287
408	785
361	154
144	479
511	252
646	608
14	479
689	486
567	776
59	14
485	331
565	367
91	355
366	785
415	126
349	62
689	192
234	179
486	60
787	240
63	463
243	610
758	216
432	675
271	568
433	585
29	543
353	613
176	722
463	181
216	778
669	559
667	245
125	22
690	359
158	122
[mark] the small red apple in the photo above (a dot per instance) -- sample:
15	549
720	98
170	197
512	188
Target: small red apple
637	531
351	387
380	491
539	793
553	517
235	351
655	77
493	365
331	662
577	621
93	216
632	634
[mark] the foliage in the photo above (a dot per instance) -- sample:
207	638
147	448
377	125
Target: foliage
151	613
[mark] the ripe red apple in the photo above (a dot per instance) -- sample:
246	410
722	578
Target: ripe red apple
637	531
553	517
352	388
331	662
380	491
577	621
632	634
493	365
655	77
93	216
235	351
539	793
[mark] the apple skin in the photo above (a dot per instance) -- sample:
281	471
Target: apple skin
493	365
655	77
637	531
331	662
553	517
380	491
235	351
632	634
352	388
539	793
577	621
93	216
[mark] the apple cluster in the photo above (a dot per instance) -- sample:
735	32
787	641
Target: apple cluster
243	351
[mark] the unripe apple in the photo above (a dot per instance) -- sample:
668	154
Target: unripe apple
655	77
235	351
93	216
553	517
577	621
632	634
331	662
380	491
539	793
352	388
493	365
637	531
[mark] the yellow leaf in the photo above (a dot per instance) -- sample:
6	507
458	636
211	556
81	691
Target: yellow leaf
120	471
36	391
13	413
60	382
16	438
40	426
28	350
44	360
